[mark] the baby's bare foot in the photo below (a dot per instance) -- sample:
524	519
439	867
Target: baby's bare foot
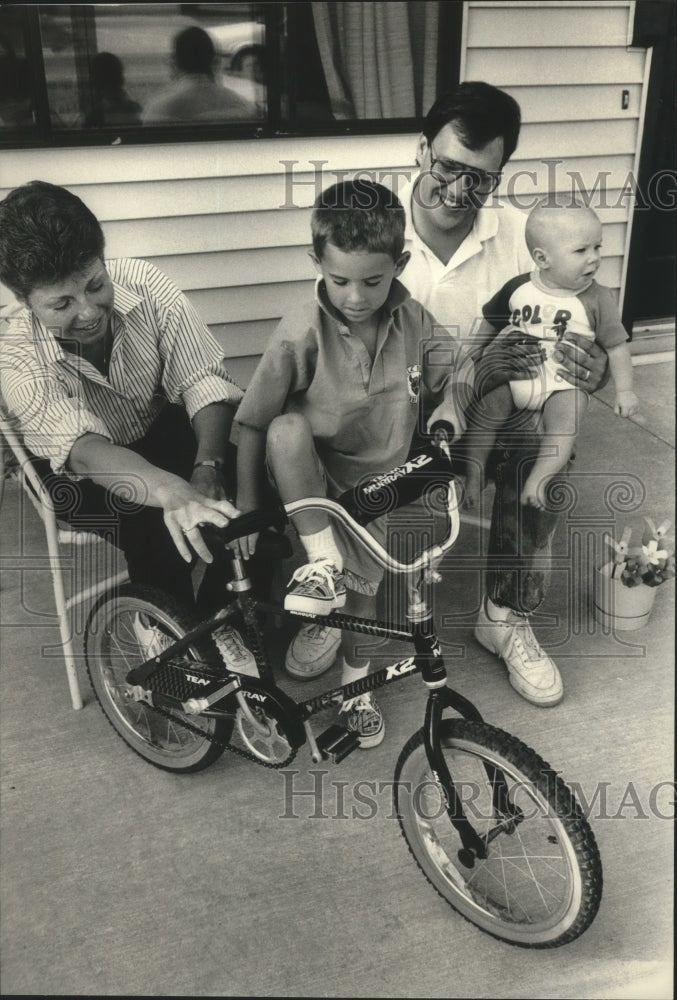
534	492
471	493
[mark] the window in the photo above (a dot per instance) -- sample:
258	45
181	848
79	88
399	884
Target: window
76	74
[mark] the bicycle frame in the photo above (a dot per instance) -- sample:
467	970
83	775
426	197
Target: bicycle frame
427	660
536	885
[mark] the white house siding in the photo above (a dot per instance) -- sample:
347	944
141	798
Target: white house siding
567	64
225	221
228	221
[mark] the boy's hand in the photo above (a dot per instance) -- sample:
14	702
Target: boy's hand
448	413
209	482
246	546
627	403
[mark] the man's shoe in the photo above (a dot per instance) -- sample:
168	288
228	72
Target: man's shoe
312	651
366	719
530	670
233	651
151	639
319	588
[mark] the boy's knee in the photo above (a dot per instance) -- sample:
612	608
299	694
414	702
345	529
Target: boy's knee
286	431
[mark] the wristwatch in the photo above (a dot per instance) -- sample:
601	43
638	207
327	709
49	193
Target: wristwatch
212	463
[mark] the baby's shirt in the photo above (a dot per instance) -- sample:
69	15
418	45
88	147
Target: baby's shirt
547	313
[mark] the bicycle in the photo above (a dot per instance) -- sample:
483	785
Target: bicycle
492	826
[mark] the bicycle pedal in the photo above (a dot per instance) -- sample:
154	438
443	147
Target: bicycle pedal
337	742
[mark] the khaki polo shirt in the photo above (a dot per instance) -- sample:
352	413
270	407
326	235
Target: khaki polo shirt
362	414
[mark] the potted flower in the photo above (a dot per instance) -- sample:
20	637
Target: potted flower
625	587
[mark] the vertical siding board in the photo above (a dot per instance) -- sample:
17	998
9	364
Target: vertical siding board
567	64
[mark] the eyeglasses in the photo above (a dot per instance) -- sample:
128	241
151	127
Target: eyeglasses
451	171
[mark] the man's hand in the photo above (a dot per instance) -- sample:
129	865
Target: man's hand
509	357
584	362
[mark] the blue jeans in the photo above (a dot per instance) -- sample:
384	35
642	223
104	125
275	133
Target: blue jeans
520	538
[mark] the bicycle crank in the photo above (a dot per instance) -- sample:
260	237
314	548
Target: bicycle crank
263	734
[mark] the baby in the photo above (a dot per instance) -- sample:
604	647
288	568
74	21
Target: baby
559	297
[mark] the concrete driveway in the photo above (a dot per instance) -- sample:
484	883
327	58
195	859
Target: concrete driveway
119	879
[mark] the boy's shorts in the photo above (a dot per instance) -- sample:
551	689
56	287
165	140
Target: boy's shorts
361	572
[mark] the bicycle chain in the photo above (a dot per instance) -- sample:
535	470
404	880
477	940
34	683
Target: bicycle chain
238	751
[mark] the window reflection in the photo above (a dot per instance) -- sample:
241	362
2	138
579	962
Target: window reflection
196	91
16	98
16	104
322	67
133	64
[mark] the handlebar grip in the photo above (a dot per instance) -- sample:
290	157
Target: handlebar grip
246	524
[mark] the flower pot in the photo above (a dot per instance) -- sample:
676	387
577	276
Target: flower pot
619	607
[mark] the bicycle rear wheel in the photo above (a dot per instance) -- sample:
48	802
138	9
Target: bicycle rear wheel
124	629
541	883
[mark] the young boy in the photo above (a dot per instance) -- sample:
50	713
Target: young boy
561	296
335	398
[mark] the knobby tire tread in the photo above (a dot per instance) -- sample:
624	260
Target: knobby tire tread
562	800
185	619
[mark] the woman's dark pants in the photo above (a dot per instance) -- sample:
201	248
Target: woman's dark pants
139	531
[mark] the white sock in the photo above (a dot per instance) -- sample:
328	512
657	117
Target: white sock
350	674
322	545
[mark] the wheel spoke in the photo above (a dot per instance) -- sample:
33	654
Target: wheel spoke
114	646
532	887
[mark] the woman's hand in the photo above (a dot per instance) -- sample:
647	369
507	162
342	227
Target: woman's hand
185	509
510	356
584	362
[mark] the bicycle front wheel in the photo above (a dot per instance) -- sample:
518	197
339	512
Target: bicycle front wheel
541	883
125	629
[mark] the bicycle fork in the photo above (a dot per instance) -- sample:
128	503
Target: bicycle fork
434	675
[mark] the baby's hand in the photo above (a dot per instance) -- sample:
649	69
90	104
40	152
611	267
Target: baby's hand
627	403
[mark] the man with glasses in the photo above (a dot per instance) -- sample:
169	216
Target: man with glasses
463	249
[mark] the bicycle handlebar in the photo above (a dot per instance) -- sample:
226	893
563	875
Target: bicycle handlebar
426	470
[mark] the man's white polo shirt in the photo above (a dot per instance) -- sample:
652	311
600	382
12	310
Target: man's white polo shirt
493	252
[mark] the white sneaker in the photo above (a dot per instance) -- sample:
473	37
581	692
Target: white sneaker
531	671
312	651
317	588
366	719
151	639
233	651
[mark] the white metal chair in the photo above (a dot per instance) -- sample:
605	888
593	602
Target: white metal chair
25	473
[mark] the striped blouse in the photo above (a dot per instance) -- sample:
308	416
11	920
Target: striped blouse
162	351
